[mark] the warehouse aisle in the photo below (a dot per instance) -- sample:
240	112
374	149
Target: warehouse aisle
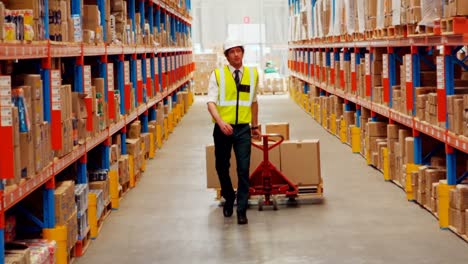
170	217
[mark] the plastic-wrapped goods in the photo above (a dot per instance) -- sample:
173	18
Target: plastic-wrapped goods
361	15
350	14
380	14
396	12
431	10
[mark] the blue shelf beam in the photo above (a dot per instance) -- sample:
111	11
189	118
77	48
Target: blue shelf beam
102	9
120	82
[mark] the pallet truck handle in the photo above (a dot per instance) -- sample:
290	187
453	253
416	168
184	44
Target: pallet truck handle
266	138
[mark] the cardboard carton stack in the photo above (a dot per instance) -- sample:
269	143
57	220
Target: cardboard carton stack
134	146
458	207
455	111
65	210
204	66
431	109
400	156
375	141
22	20
392	139
297	160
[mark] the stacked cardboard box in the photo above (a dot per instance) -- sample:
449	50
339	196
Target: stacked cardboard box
400	156
23	20
392	139
458	207
124	170
465	115
67	123
455	111
65	210
375	140
431	109
204	66
59	15
134	146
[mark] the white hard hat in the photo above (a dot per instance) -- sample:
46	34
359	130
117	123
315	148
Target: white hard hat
231	43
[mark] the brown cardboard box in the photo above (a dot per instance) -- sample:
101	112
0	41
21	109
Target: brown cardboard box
432	176
124	169
466	222
91	17
278	128
27	154
300	161
459	197
135	130
79	105
409	150
133	146
377	129
101	185
16	129
458	220
392	131
458	8
145	141
99	84
72	230
64	201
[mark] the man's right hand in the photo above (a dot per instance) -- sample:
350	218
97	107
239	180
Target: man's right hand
225	128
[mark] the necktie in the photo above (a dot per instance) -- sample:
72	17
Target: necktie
236	77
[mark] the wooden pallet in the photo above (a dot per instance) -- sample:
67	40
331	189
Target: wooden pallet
71	255
358	36
200	93
369	34
82	245
124	190
105	213
411	29
462	236
454	25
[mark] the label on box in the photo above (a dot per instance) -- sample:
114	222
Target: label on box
55	74
368	64
139	74
409	68
148	68
353	62
385	65
87	79
332	61
440	72
5	92
324	61
6	101
5	82
127	72
6	117
110	76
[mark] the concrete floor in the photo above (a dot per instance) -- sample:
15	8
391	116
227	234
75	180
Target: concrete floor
170	217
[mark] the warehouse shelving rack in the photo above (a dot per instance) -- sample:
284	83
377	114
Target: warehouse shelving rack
168	69
304	66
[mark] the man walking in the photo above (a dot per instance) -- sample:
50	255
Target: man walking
232	103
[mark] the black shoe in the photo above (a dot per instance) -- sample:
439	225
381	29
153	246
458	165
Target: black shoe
242	218
228	207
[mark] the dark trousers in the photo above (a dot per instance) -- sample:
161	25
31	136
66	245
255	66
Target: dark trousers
240	140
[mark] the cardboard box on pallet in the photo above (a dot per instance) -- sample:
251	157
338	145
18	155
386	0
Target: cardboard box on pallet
457	220
64	196
300	161
133	146
101	185
72	230
145	140
459	197
135	130
27	155
278	128
124	170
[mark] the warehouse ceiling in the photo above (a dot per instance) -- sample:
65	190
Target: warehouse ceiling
261	24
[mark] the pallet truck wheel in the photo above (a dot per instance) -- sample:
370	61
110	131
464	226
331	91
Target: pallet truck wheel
292	202
260	203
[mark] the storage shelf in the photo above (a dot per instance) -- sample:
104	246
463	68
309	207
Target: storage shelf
13	51
441	134
452	40
11	197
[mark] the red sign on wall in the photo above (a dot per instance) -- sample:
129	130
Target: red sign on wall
246	20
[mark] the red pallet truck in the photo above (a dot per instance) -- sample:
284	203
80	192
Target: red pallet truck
267	181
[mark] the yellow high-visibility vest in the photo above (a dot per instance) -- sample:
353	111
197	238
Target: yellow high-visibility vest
230	101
